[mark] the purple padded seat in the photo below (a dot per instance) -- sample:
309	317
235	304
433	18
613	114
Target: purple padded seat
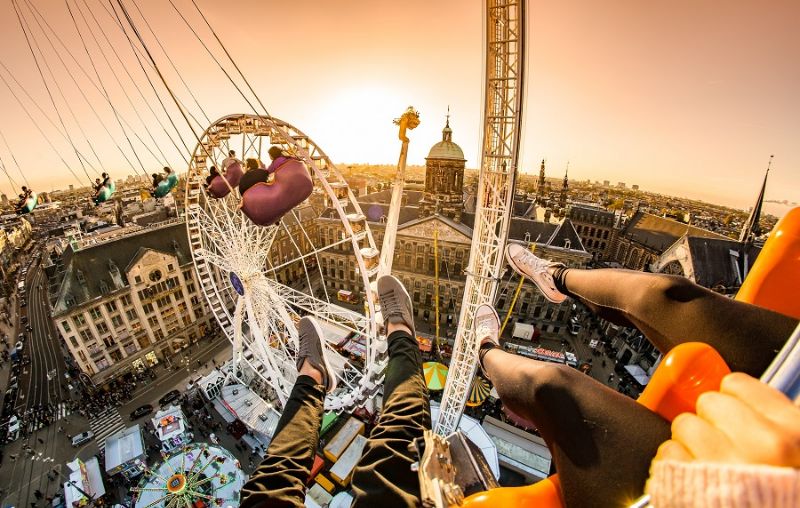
266	203
218	189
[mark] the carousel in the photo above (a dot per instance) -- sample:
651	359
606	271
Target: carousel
197	475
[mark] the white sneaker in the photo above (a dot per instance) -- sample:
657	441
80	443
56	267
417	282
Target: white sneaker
487	325
536	269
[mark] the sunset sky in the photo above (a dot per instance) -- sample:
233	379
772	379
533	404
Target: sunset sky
682	97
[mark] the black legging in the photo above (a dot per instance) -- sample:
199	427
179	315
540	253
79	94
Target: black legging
602	442
671	310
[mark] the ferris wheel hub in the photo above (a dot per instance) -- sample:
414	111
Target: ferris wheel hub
176	484
237	284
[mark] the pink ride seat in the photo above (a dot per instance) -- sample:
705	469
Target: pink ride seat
218	189
266	203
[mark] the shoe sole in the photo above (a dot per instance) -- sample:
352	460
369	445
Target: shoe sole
325	362
519	270
410	305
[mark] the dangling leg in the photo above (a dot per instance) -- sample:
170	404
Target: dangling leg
668	309
384	477
601	441
279	481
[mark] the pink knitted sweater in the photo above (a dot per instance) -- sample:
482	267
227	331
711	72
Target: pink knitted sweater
676	484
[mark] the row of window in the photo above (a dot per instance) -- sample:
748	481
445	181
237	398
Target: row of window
592	232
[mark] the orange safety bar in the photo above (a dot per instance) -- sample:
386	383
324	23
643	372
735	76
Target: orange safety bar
692	368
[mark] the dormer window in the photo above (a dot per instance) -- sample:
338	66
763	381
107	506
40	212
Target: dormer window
81	278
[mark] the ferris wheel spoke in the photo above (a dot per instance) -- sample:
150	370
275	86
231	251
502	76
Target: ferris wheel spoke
261	342
321	309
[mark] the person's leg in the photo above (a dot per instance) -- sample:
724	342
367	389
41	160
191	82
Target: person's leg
383	476
601	441
279	481
668	309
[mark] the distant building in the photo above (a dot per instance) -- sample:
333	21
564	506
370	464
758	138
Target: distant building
129	303
596	229
621	185
444	178
721	264
645	237
606	183
635	187
714	263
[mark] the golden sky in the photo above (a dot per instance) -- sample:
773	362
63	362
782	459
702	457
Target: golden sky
683	97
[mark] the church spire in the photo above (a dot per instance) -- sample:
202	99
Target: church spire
540	186
751	227
562	200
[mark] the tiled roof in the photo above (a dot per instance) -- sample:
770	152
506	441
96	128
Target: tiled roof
89	271
659	232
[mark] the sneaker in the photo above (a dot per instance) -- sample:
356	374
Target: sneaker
395	303
536	269
311	349
487	325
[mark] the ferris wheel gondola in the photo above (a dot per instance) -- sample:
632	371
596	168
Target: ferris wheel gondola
239	259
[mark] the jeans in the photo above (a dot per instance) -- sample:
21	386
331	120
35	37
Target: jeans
383	476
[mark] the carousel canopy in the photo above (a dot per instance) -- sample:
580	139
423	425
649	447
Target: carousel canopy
193	475
435	375
479	392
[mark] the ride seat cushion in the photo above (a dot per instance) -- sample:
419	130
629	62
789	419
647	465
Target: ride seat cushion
233	175
265	204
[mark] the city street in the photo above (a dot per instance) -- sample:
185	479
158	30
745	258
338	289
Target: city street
51	446
40	384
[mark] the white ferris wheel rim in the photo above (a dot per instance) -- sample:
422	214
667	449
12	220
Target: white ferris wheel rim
232	260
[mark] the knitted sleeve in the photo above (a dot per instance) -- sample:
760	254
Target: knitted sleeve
677	484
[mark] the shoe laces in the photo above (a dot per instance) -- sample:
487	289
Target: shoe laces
483	330
536	263
390	304
485	326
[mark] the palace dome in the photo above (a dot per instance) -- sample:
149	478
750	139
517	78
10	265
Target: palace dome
446	149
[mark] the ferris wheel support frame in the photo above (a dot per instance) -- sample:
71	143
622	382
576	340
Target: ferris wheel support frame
502	128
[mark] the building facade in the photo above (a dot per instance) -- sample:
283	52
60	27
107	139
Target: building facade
596	229
129	303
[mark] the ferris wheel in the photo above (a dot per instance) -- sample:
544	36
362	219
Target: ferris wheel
238	263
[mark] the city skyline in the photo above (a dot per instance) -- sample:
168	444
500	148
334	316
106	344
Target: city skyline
680	99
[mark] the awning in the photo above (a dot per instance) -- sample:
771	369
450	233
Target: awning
435	375
84	476
638	374
479	392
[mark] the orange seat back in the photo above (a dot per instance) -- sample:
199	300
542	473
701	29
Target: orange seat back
542	494
773	281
